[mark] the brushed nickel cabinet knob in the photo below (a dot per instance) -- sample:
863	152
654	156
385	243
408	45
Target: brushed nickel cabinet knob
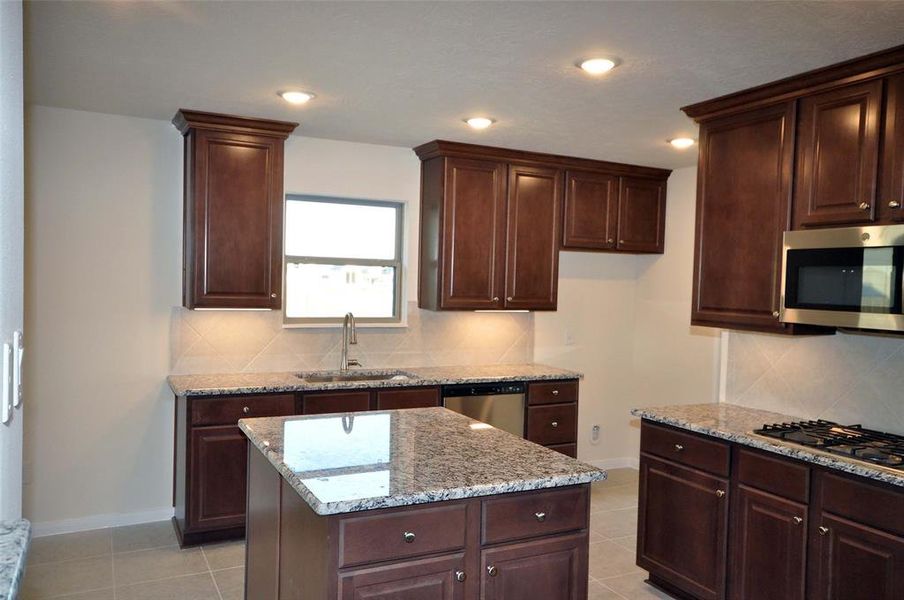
246	410
509	298
720	493
460	576
611	240
273	295
823	530
678	447
408	537
798	520
495	298
554	424
540	516
894	204
492	571
555	392
864	206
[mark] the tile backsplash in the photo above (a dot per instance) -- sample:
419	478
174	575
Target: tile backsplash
232	341
849	378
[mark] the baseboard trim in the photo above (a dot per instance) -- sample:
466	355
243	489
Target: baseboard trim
626	462
100	522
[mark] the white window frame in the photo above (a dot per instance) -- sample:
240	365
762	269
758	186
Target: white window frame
397	320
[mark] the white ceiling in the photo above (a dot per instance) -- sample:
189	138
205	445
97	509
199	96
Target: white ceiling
405	73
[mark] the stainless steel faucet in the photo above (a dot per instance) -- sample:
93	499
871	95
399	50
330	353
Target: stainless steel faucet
349	336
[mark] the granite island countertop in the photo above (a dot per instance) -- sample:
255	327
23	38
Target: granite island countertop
340	463
736	424
259	383
14	538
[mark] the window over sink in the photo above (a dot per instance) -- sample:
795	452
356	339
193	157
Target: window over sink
342	255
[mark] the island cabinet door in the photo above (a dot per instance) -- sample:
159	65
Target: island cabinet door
553	568
440	578
768	548
218	471
683	527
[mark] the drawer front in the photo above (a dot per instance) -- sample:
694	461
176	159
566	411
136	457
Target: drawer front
873	505
335	402
552	392
402	534
535	514
774	474
407	398
692	450
228	410
552	424
566	449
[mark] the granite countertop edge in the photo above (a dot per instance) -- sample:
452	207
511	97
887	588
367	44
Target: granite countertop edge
218	384
15	536
425	497
748	438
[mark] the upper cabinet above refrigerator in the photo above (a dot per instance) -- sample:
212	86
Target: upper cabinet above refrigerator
232	248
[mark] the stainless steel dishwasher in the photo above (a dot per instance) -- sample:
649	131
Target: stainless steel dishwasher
498	404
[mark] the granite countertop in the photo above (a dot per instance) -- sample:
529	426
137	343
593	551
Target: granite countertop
736	424
340	463
14	537
257	383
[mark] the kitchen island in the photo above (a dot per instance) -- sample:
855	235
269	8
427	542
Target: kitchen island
415	504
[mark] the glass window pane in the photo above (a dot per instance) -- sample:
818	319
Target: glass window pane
324	229
323	291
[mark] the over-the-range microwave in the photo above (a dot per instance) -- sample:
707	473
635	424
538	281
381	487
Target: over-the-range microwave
844	277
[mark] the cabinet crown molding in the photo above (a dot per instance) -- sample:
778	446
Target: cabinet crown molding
871	66
445	148
186	120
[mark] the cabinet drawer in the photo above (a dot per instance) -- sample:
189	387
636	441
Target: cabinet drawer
873	505
552	392
773	474
685	448
566	449
380	537
407	398
531	515
335	402
228	410
552	424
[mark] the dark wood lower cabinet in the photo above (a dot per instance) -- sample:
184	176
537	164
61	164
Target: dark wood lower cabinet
218	498
769	550
552	569
433	578
797	531
294	554
857	562
683	527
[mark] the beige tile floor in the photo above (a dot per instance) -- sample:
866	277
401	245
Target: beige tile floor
143	562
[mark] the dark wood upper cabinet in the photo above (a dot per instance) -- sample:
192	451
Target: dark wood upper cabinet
492	222
743	199
837	156
769	547
532	236
232	254
641	215
591	211
890	202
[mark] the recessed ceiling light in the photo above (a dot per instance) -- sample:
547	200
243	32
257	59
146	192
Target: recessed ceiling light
296	97
479	122
682	142
597	66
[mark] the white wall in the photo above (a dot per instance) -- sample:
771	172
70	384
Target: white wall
11	237
628	320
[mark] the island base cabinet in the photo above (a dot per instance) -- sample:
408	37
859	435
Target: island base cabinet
682	527
433	578
553	569
856	562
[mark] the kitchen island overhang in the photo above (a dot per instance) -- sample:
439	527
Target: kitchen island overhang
421	501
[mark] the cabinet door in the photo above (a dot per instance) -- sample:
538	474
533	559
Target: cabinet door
682	527
532	239
768	548
891	178
591	211
856	562
432	578
217	478
320	403
743	193
553	568
837	156
641	215
233	220
473	234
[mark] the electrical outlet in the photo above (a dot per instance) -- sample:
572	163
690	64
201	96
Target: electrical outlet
595	434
